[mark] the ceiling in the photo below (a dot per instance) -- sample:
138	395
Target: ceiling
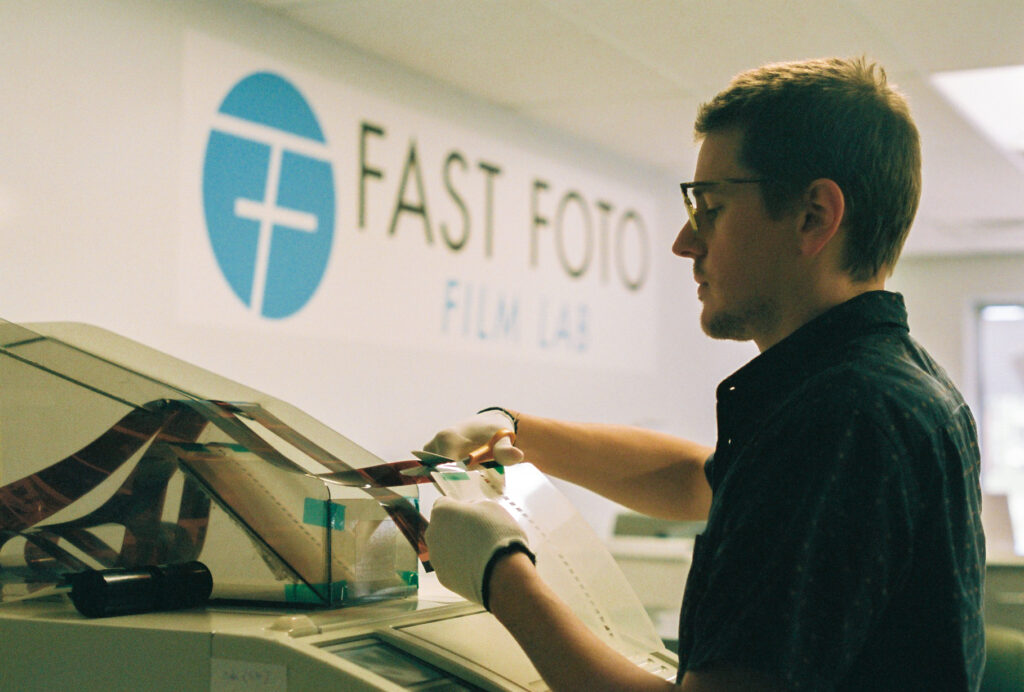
628	75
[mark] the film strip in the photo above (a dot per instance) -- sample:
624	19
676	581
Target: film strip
166	434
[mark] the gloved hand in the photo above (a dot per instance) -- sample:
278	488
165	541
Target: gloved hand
462	438
463	539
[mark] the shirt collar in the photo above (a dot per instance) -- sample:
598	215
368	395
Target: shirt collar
800	351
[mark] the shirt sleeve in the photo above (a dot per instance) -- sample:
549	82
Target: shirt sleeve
814	536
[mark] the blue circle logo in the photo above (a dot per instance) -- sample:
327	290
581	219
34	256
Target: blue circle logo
268	195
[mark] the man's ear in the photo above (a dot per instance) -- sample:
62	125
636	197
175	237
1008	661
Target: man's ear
824	205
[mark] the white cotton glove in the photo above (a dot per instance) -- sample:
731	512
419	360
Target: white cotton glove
462	438
463	538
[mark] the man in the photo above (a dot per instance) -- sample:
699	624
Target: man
843	547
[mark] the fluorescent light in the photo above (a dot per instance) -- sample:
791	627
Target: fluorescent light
1002	313
992	99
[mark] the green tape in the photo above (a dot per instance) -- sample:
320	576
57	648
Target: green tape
302	593
323	513
410	578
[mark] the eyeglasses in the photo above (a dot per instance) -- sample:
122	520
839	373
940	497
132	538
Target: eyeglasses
688	194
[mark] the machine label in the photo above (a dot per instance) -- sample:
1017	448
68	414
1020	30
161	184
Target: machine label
230	675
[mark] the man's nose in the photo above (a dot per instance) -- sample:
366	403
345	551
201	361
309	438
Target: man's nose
687	244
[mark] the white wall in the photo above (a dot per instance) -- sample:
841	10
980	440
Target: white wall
91	120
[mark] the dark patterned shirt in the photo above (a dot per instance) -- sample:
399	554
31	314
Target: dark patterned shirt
844	549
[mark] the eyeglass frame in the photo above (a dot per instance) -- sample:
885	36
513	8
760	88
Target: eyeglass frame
691	210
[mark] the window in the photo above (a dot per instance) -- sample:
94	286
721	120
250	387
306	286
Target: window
1001	410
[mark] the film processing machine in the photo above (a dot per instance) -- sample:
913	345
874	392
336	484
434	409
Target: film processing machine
165	528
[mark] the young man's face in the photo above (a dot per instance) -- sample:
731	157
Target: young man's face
740	254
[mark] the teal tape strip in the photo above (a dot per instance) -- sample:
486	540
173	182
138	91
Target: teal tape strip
323	513
301	593
410	578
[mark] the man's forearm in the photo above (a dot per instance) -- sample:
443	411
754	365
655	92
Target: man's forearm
571	657
565	652
652	472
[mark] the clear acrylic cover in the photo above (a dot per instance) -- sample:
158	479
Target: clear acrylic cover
116	455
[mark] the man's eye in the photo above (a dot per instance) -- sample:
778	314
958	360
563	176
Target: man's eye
708	215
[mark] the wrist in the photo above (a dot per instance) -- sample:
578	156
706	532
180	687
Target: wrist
506	574
513	416
502	561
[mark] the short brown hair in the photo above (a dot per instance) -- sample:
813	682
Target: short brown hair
831	118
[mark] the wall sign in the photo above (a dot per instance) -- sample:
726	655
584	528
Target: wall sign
311	206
